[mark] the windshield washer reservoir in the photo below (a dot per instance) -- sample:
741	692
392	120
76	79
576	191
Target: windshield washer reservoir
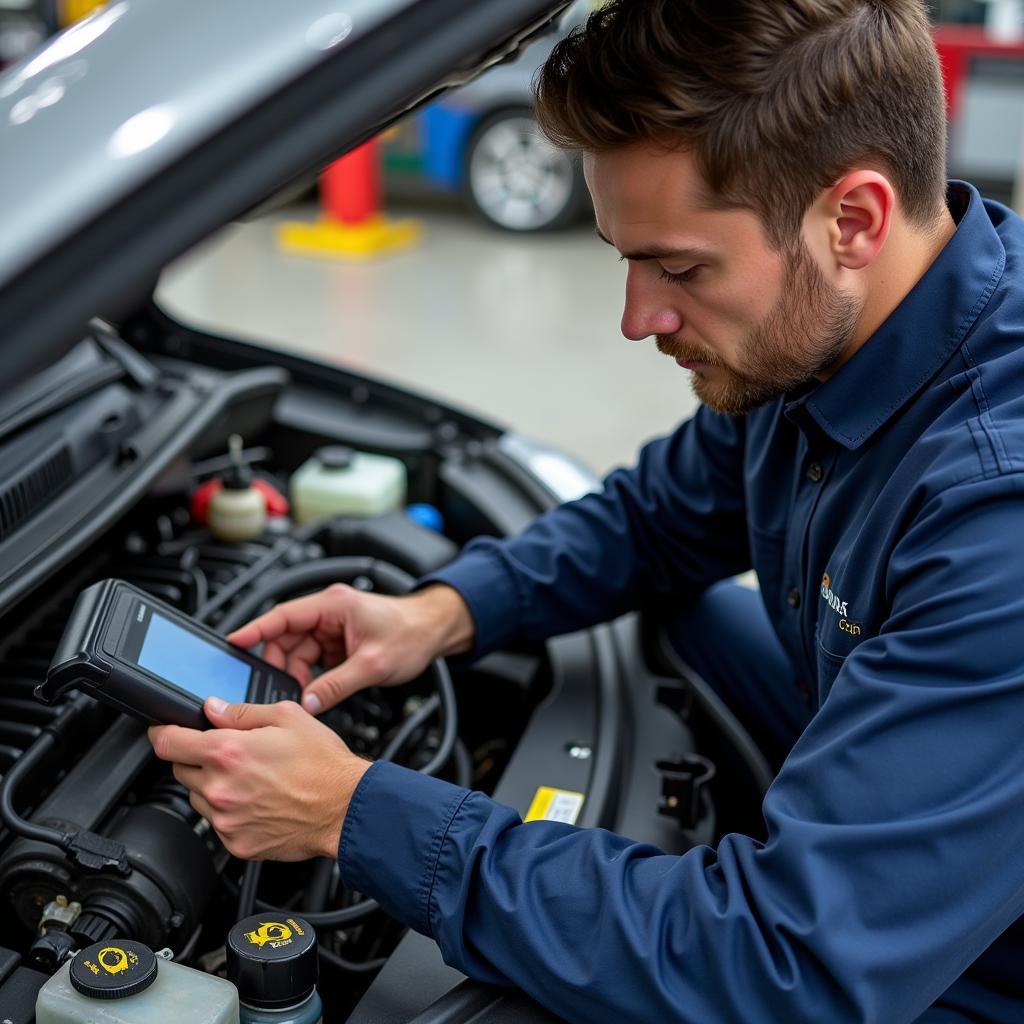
340	481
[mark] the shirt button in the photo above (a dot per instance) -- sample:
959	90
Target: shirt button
793	598
815	472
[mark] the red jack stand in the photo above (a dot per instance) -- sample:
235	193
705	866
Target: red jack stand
351	225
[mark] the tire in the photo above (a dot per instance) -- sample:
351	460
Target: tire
518	181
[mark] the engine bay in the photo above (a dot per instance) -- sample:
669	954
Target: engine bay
136	862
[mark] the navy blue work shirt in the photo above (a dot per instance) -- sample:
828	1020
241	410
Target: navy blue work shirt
883	511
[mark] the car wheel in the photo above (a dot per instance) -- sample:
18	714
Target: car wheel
516	179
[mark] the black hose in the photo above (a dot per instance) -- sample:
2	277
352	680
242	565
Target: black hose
445	700
340	918
319	885
347	965
51	736
411	725
449	717
189	948
247	892
40	747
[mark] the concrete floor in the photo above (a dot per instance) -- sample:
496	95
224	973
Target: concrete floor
521	330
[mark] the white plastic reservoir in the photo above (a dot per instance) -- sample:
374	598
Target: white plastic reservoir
339	481
122	982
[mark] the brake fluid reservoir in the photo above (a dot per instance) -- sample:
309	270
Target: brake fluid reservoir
238	511
124	982
340	481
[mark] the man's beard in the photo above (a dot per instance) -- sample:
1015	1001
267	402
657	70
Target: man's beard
805	334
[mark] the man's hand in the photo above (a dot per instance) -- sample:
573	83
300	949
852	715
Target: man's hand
274	783
360	639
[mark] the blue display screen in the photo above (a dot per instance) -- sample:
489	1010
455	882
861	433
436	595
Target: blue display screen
188	661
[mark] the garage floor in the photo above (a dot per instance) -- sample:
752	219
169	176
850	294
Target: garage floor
522	331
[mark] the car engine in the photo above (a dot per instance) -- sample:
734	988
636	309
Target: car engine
98	841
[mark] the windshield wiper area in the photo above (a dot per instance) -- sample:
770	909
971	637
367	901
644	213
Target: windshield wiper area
97	361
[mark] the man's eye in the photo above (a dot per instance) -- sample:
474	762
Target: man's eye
683	278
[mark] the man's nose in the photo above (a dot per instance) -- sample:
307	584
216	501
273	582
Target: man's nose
646	312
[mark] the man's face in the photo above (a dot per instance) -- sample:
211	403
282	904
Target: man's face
749	321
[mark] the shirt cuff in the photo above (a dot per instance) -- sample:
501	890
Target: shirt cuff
489	591
392	838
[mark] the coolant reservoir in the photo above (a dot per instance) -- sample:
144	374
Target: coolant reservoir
340	481
123	982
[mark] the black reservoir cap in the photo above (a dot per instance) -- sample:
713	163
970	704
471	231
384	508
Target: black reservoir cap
113	969
335	456
272	961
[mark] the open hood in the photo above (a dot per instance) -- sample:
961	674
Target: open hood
141	130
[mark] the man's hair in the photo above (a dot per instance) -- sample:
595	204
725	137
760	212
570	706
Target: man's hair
776	99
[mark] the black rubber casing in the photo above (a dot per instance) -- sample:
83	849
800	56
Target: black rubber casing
86	660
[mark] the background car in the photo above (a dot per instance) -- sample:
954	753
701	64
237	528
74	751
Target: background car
481	142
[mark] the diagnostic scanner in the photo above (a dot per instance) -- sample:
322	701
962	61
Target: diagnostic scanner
151	661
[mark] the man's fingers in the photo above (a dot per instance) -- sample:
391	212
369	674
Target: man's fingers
189	776
175	743
298	616
335	686
299	671
246	716
273	653
199	802
248	635
301	657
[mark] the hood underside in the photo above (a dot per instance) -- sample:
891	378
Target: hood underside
143	129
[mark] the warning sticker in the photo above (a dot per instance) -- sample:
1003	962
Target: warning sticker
555	805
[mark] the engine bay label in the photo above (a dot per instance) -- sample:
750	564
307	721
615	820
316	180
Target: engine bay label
555	805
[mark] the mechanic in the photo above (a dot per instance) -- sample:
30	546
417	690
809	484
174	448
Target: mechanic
772	173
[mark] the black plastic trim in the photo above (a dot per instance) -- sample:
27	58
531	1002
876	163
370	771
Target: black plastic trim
95	502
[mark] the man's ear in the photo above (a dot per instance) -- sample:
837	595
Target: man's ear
859	211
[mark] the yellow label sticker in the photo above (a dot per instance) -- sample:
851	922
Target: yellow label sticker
271	932
113	960
555	805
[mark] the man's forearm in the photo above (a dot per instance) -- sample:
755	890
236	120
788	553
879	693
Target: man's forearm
445	616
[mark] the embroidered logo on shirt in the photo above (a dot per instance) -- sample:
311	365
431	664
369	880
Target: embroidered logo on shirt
833	600
838	605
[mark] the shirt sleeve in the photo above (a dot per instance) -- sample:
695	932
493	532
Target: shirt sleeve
674	523
894	833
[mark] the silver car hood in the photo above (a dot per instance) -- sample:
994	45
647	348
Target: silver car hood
137	132
111	100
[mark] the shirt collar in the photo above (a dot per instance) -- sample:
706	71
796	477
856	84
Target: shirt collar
918	337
